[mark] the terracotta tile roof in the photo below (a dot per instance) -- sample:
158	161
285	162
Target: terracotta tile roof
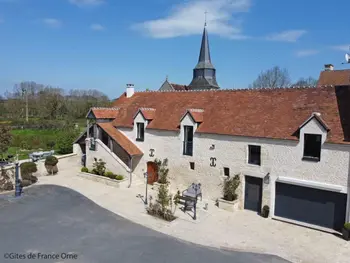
179	86
334	77
196	114
120	138
268	113
105	113
148	113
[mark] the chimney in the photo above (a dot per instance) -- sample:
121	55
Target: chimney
130	90
328	67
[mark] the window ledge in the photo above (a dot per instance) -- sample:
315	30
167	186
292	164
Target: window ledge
311	159
254	165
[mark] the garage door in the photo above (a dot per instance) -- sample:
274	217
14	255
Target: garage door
309	205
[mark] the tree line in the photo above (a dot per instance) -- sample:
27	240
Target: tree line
279	77
46	102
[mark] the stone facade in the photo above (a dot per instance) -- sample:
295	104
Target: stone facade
212	152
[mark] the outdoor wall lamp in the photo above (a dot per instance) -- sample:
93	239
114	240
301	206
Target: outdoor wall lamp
212	147
267	178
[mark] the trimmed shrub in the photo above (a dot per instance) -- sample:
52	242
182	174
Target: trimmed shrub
28	168
119	177
84	170
109	175
51	161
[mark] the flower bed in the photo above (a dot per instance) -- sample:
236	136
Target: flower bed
107	178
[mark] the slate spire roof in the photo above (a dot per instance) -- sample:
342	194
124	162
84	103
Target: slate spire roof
204	60
204	74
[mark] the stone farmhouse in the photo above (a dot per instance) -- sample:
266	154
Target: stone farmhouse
290	146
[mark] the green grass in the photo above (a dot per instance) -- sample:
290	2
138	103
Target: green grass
22	154
33	132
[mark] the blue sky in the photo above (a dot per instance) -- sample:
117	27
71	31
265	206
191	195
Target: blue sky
104	44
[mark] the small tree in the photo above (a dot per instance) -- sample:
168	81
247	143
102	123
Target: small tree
65	141
162	170
230	187
5	139
163	197
99	167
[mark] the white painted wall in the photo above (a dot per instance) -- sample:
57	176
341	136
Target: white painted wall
113	163
77	149
279	158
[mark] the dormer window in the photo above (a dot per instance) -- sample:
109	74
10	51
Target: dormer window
312	147
254	154
140	132
188	141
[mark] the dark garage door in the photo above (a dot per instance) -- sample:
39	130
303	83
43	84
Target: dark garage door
253	193
309	205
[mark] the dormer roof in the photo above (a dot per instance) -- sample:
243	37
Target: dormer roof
196	115
147	113
103	112
316	116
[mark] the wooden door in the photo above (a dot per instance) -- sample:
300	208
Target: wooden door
152	172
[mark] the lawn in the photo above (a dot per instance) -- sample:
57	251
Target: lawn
22	154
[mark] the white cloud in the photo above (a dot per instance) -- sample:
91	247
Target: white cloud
287	36
188	19
307	52
86	2
52	22
97	27
341	47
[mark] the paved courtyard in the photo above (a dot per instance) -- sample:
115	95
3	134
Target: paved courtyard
57	222
239	231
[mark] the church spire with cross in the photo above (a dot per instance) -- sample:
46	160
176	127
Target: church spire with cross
204	74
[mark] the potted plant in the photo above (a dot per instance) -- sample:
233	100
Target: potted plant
265	211
346	231
51	164
229	201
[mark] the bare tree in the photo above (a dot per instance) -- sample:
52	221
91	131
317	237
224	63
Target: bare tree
272	78
310	81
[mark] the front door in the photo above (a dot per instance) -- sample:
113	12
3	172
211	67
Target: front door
152	172
253	193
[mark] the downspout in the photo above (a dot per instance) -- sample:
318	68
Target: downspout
130	176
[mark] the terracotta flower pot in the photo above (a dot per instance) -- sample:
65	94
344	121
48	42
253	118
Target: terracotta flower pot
51	169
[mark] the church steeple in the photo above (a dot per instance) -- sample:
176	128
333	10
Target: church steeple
204	74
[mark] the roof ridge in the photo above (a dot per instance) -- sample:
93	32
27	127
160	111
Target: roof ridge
105	108
151	109
243	89
195	110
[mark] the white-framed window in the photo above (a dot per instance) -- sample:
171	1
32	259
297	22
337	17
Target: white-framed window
254	154
140	126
